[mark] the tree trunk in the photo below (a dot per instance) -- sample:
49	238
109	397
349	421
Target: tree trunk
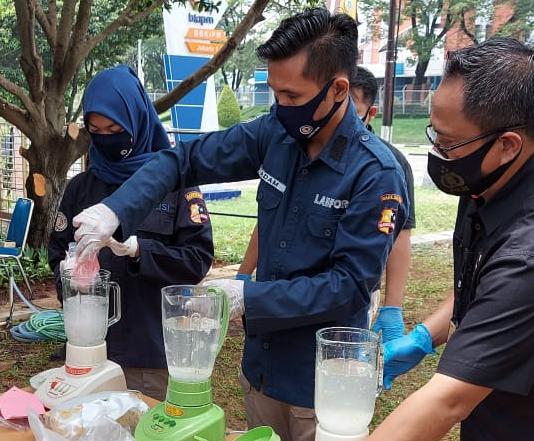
48	167
420	71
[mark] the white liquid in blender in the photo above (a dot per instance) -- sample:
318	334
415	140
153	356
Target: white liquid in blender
86	319
191	347
345	393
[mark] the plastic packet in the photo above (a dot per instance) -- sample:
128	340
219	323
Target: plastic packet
84	272
91	418
104	428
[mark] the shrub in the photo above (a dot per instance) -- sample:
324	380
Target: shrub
228	108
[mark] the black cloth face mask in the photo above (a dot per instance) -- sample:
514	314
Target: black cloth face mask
114	147
463	176
298	120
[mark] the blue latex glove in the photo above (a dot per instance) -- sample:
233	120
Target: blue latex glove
404	353
390	322
243	277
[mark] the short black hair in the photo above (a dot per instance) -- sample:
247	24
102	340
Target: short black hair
498	77
331	42
363	79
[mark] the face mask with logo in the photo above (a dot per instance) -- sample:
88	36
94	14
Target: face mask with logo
298	120
463	176
114	147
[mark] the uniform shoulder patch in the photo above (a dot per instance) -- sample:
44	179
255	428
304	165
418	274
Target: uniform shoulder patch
198	212
61	222
388	214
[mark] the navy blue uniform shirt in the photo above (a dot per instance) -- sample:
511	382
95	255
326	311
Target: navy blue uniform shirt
175	247
325	229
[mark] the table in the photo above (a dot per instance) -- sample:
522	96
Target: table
13	435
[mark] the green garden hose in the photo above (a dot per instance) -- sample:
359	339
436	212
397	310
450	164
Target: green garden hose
44	325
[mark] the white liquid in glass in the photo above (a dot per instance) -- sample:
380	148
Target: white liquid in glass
191	347
345	392
86	319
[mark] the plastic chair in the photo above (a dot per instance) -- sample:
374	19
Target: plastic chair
18	233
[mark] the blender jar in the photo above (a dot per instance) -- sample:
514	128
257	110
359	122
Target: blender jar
348	377
194	327
86	308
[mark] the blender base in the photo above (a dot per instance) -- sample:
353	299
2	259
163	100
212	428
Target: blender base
61	384
159	425
323	435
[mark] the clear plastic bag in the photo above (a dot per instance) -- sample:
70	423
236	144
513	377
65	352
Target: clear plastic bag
104	428
112	416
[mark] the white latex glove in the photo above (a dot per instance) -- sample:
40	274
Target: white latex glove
95	226
129	247
234	290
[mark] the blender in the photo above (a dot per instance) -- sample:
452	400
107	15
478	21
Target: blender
195	321
348	378
86	369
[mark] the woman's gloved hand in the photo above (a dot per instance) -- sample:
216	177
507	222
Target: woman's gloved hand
130	247
390	322
95	226
405	353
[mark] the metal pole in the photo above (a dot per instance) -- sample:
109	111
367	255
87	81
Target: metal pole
387	118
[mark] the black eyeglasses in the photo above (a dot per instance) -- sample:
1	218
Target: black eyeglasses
432	135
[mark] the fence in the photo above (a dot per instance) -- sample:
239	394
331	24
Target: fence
406	101
14	170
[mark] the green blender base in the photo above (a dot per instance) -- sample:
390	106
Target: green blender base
195	418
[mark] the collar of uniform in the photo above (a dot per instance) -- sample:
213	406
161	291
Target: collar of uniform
335	153
507	201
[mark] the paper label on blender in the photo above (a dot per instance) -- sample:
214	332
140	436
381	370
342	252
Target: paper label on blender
77	370
173	410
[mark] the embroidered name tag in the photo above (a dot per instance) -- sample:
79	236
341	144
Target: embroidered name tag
272	181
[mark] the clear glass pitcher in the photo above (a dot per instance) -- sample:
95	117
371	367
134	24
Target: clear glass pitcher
86	307
195	321
348	378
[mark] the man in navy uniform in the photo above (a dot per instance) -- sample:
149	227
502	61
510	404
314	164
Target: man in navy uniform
330	203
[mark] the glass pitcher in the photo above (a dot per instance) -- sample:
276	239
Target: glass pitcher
348	378
195	321
86	307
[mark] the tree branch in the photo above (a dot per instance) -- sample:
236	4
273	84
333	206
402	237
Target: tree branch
127	17
445	29
15	115
52	14
18	91
49	31
79	49
63	33
463	27
253	16
30	61
80	29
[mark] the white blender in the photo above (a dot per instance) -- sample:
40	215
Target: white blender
86	369
348	378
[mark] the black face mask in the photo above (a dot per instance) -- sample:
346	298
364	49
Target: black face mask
114	147
298	120
463	176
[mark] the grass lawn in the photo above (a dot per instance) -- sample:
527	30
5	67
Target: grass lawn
406	130
435	211
429	283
